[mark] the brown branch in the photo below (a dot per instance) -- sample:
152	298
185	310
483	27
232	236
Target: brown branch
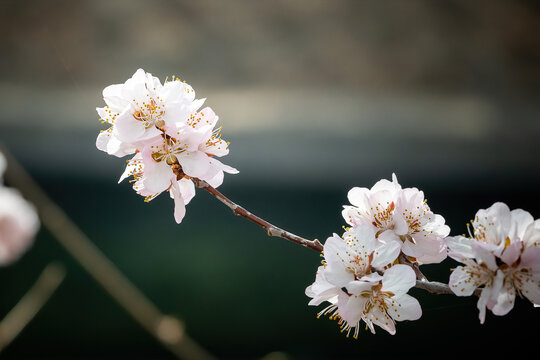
272	230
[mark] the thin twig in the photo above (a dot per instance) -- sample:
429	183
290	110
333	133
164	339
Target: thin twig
29	305
168	330
272	230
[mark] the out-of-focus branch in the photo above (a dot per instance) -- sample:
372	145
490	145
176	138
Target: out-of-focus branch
29	305
272	230
168	330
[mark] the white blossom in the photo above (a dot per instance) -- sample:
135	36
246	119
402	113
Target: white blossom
501	256
172	140
400	215
350	282
140	109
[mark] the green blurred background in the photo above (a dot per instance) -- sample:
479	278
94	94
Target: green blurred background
316	97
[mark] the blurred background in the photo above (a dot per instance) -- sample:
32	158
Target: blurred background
315	97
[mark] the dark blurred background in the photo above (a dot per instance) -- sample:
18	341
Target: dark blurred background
316	97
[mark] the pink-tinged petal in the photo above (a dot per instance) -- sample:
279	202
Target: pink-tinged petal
216	147
429	249
388	250
194	164
495	223
404	307
172	91
357	196
460	247
437	226
207	116
381	318
107	141
118	148
214	176
530	287
512	252
189	93
361	238
226	168
127	128
135	87
401	227
338	275
384	185
530	259
398	279
157	175
504	299
190	138
133	166
115	98
175	113
353	309
521	220
462	281
496	286
103	139
380	198
482	303
104	114
321	290
336	271
483	255
179	205
373	278
389	236
353	217
187	189
216	180
410	249
532	234
357	287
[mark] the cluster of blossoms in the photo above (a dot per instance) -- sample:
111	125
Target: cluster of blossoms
501	256
172	139
18	222
367	272
399	216
360	276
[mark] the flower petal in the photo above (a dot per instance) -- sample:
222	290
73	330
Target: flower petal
179	205
194	164
398	279
404	307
